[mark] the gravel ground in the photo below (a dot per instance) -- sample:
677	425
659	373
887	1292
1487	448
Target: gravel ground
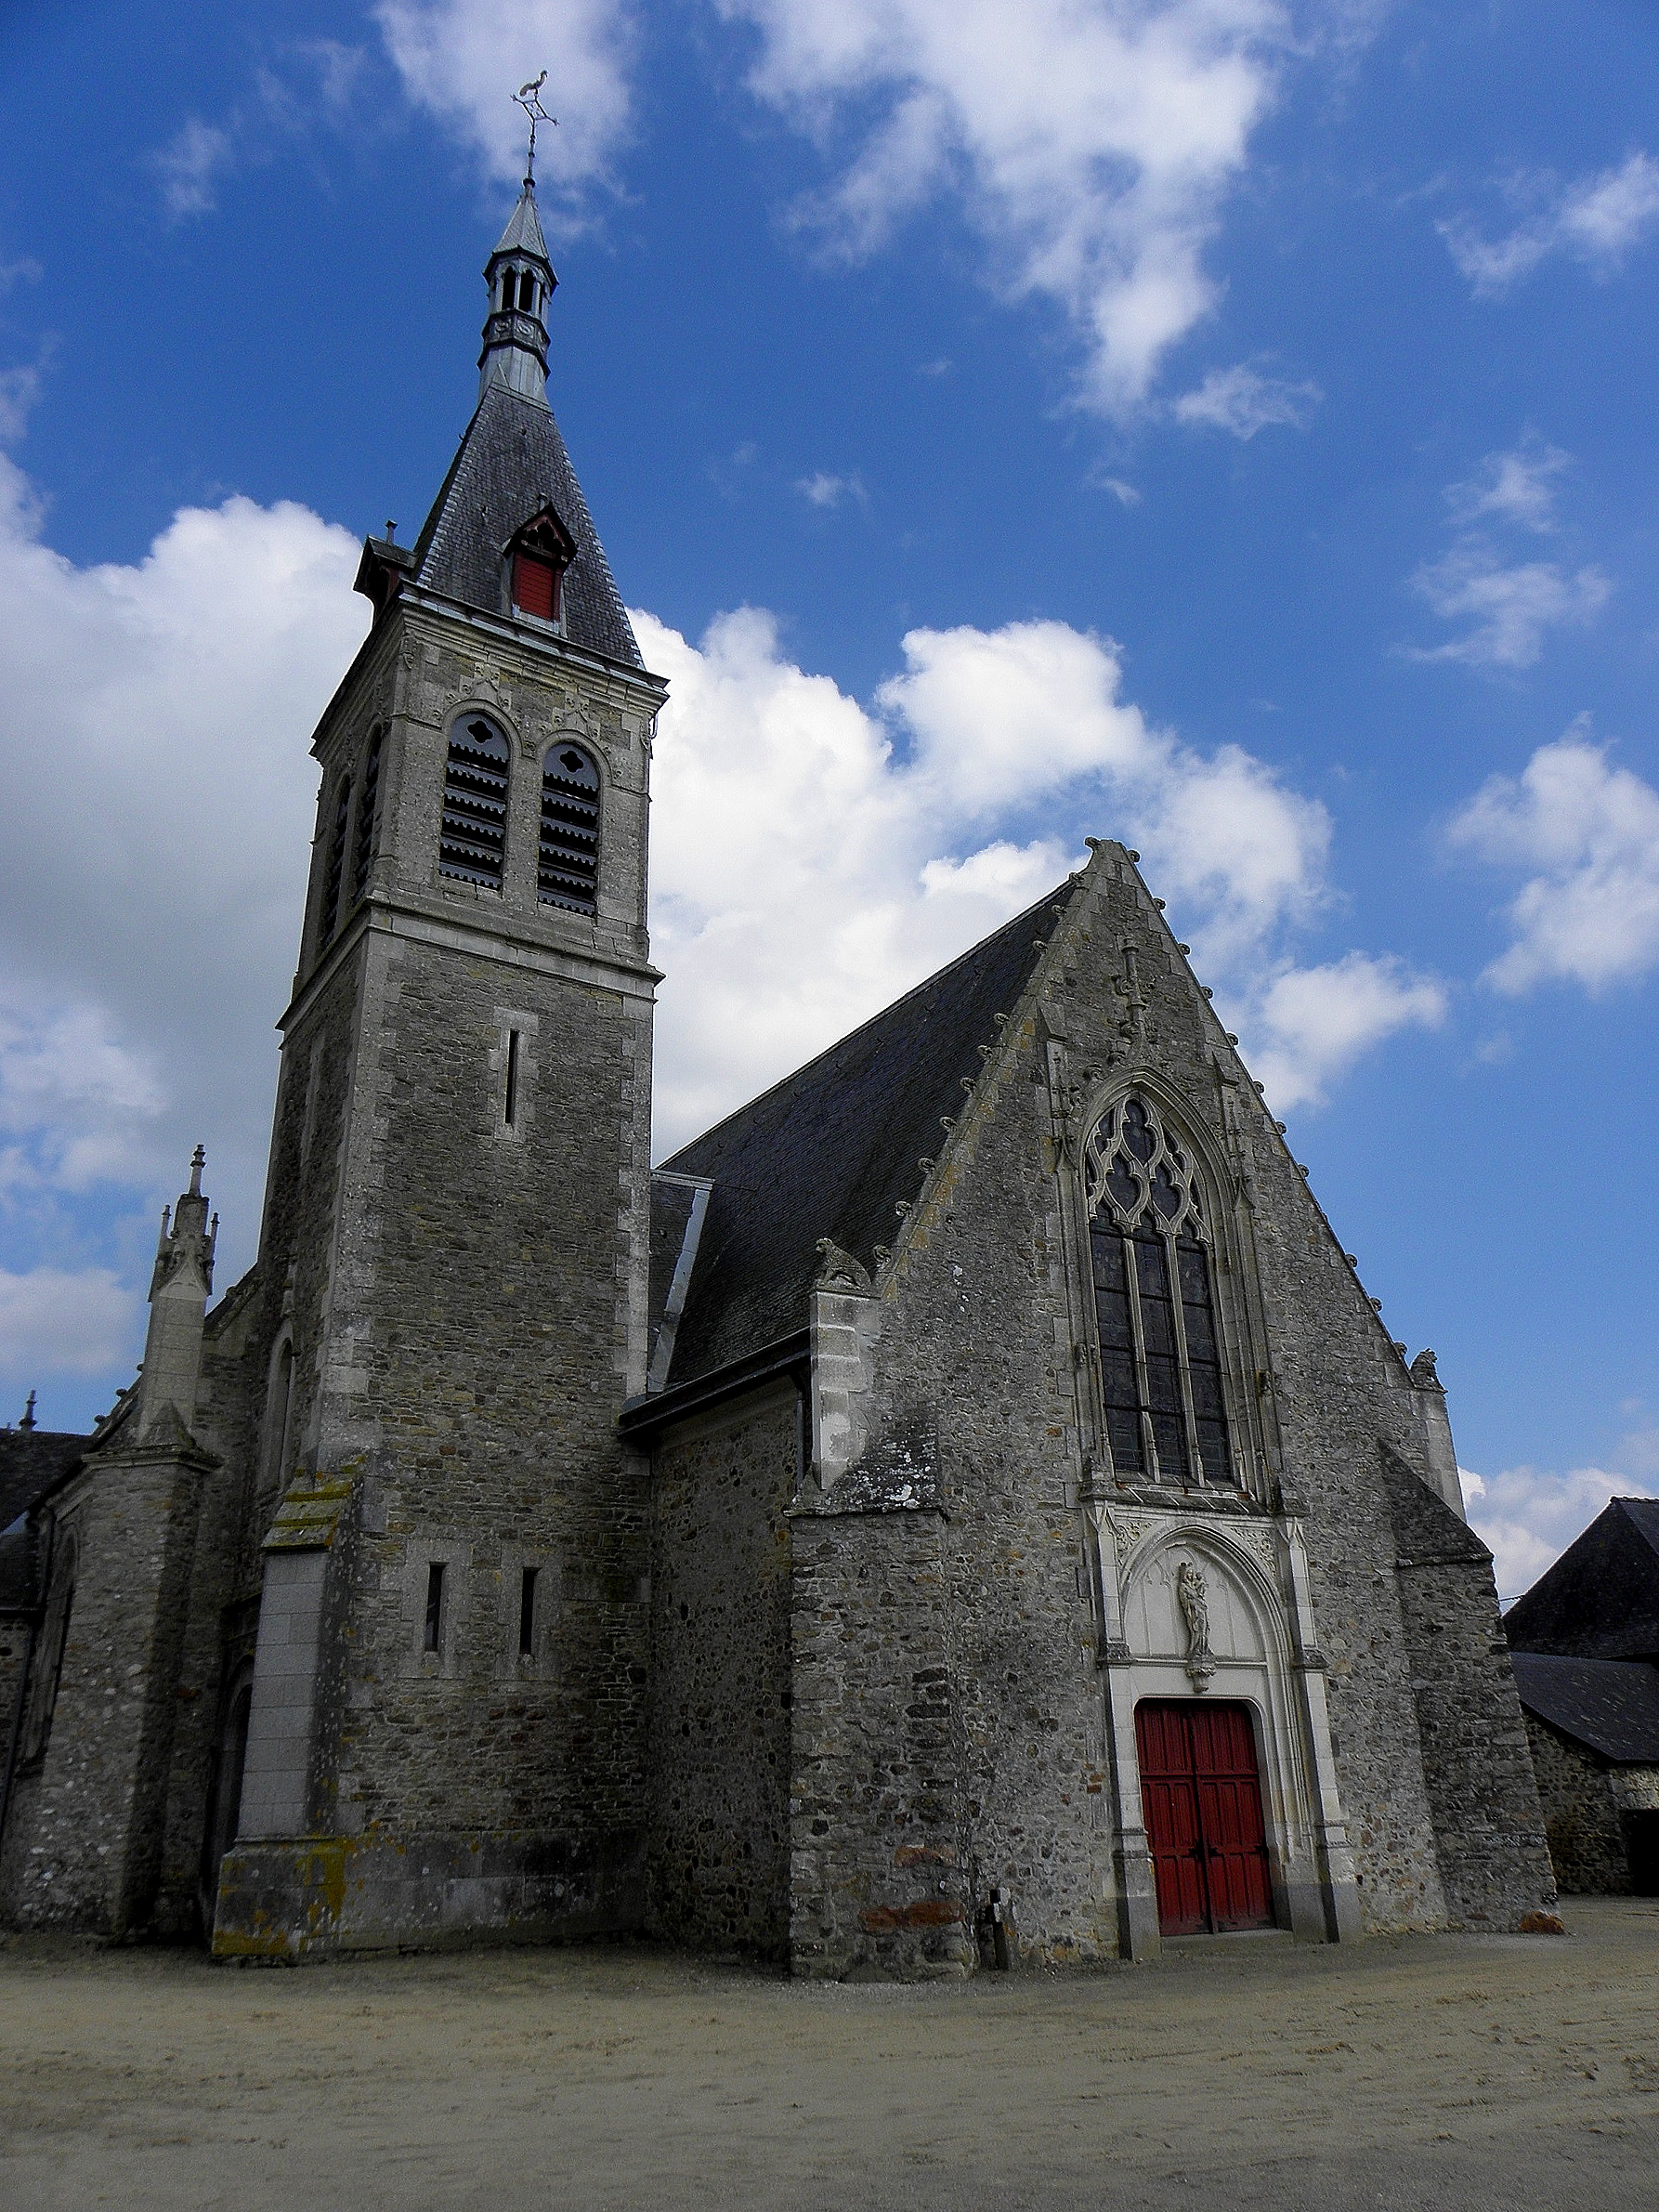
1417	2073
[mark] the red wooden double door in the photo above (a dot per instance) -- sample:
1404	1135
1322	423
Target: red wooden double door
1201	1795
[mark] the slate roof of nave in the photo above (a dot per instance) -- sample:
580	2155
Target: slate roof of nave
1611	1705
1601	1599
30	1461
510	462
832	1149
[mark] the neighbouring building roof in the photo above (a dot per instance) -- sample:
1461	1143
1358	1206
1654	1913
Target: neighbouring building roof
30	1461
1610	1705
1601	1599
511	463
832	1150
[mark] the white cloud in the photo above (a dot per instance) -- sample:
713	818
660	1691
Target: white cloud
158	717
77	1105
812	859
56	1321
1528	1517
1092	143
1596	220
1242	400
1126	494
825	491
1312	1025
19	388
189	166
461	61
1589	912
1517	486
1510	607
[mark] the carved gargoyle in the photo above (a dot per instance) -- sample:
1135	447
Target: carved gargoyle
839	1270
1422	1371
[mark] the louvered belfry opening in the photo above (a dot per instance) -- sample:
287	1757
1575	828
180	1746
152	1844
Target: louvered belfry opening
368	814
569	870
475	818
336	861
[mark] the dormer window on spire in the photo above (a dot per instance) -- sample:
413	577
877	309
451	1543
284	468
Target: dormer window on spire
537	559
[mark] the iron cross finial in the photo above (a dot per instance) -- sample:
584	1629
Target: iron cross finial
528	98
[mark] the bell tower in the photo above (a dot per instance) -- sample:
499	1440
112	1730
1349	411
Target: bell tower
444	1732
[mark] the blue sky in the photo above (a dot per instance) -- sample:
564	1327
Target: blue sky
1230	427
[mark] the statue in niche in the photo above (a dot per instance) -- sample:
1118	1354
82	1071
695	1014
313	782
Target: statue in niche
1192	1595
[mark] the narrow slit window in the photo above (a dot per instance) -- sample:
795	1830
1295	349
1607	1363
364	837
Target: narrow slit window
1165	1411
336	861
567	868
527	1613
432	1637
474	816
527	293
367	816
510	1104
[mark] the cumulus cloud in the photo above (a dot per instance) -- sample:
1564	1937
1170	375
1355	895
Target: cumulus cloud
813	857
1312	1025
461	60
19	388
158	718
1596	220
1588	833
1528	1517
1507	604
189	166
1092	143
1508	607
1517	486
825	491
63	1322
1241	400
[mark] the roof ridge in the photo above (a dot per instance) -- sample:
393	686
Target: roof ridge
882	1014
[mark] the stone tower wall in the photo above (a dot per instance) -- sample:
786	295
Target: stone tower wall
722	1685
467	1297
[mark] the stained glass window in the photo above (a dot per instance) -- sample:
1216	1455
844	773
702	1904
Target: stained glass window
1150	1250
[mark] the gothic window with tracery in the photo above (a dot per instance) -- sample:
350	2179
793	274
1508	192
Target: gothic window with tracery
567	868
475	816
1150	1246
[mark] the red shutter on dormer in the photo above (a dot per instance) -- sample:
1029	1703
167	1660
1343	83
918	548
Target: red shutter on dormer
535	585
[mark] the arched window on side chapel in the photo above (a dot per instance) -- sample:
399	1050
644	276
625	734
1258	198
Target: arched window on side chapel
1152	1250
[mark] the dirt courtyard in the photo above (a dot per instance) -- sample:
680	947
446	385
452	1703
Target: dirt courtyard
1460	2071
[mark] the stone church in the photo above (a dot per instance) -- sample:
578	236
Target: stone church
964	1508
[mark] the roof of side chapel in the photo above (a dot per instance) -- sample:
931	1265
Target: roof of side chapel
512	461
832	1149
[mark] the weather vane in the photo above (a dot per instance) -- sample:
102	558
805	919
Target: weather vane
528	98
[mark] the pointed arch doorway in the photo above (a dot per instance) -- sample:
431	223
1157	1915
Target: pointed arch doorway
1201	1799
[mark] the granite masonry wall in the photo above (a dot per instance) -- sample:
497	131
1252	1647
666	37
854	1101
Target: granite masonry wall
1581	1818
84	1831
983	1344
467	1299
1488	1824
718	1758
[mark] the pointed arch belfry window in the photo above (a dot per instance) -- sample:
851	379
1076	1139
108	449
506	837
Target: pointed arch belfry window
336	860
567	867
1151	1248
475	816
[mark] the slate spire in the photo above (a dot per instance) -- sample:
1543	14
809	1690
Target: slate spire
521	282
